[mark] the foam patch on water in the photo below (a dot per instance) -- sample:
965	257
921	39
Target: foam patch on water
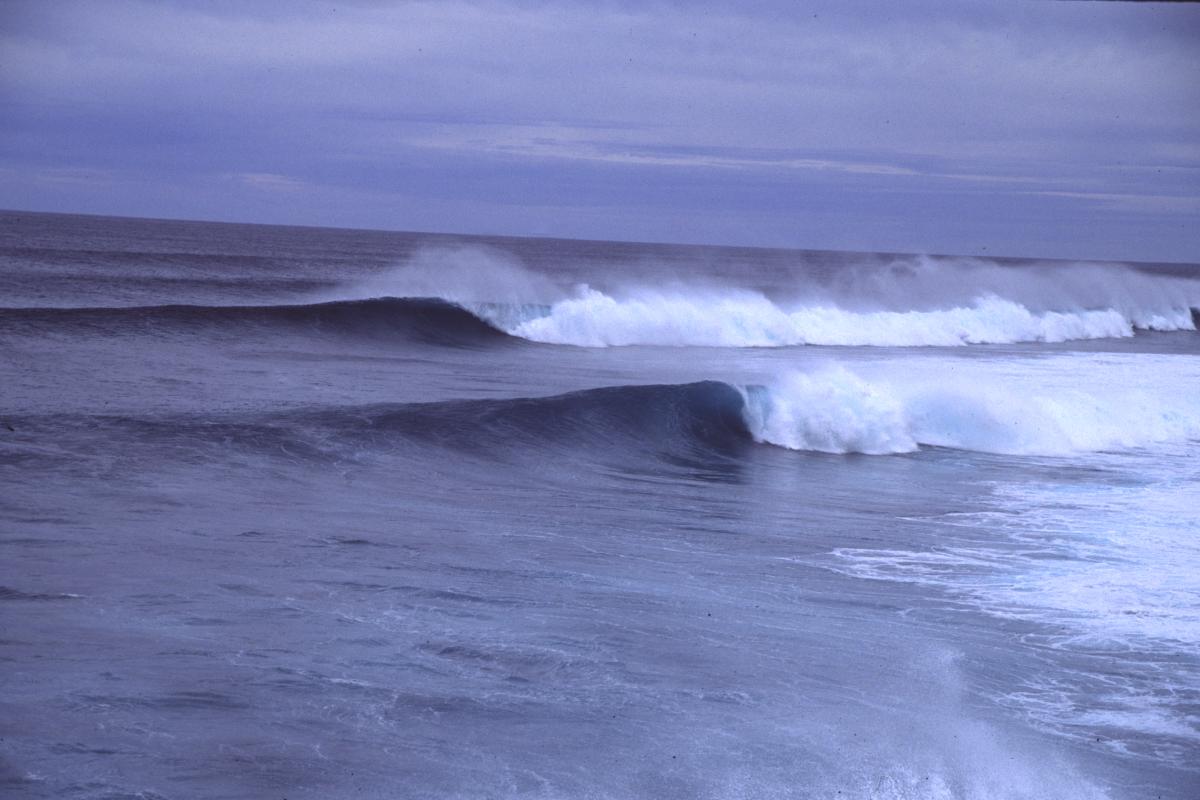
1105	569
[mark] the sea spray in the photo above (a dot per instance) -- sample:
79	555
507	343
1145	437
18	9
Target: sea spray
913	301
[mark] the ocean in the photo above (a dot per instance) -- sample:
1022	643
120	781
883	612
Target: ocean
314	513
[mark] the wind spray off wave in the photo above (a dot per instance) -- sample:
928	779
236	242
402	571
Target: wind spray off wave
908	302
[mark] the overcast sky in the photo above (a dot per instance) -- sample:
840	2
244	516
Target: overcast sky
1065	129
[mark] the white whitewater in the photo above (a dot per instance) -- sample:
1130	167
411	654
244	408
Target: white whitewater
740	318
1059	405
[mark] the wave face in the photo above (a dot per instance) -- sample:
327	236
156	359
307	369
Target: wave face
703	417
699	421
837	411
427	320
748	319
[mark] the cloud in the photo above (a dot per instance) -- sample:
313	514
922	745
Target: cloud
77	177
1070	100
269	182
579	144
1139	203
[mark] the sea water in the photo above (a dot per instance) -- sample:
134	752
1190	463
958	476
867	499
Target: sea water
316	513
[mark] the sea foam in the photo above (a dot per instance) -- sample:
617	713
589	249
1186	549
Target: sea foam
835	410
741	318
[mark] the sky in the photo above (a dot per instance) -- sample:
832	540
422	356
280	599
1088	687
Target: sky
1053	129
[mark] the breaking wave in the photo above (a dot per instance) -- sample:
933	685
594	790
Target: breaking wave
832	410
469	298
749	319
909	301
837	411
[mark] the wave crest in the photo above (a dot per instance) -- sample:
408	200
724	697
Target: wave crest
831	412
836	411
739	318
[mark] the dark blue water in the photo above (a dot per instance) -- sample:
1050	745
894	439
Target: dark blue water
315	513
